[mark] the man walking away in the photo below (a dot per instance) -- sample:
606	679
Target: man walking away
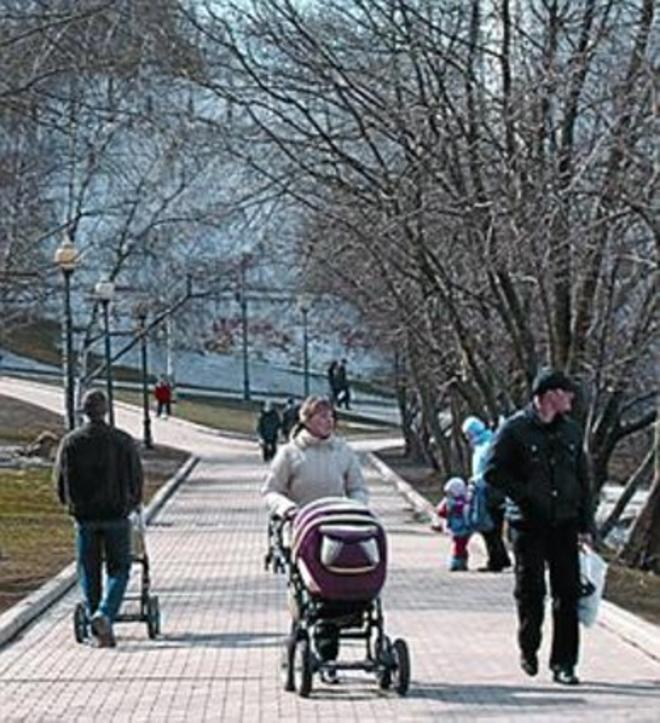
537	459
480	438
289	417
268	427
332	380
99	477
342	386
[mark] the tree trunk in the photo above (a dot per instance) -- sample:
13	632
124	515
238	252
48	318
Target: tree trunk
626	495
643	547
405	410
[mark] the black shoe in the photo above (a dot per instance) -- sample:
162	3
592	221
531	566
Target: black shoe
565	675
530	664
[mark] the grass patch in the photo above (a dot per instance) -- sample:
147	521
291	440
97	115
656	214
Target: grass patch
236	415
21	422
426	481
635	590
41	340
232	415
36	535
38	339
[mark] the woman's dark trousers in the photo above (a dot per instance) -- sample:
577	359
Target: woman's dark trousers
498	557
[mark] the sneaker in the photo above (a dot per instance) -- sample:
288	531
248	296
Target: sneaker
102	631
565	675
530	664
329	676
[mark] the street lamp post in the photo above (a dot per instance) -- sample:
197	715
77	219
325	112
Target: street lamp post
244	323
304	303
105	291
66	258
146	419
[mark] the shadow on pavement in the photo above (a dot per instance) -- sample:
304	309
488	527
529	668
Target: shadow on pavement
523	696
212	640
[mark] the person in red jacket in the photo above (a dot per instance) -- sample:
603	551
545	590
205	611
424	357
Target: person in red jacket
163	394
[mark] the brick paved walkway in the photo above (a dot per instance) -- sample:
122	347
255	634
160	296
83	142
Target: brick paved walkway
223	619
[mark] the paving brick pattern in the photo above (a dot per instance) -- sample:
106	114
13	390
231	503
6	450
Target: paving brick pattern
224	618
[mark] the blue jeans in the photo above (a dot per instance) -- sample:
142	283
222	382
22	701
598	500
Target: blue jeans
93	539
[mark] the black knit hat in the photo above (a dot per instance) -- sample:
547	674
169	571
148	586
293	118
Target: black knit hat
548	379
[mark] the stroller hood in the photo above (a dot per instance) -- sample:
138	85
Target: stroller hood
339	548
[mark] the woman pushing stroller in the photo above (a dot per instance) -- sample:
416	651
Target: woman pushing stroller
314	464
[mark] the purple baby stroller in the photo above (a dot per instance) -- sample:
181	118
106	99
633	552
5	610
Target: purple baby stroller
334	554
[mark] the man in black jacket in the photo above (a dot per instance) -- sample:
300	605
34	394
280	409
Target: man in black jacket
537	459
289	417
99	477
268	427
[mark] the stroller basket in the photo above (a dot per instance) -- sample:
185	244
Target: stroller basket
146	606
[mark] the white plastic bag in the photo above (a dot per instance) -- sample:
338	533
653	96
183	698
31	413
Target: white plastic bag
138	530
593	570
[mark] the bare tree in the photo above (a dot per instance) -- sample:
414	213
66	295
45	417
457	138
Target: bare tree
470	178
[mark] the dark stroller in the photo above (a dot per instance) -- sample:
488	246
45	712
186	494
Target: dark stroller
334	554
147	609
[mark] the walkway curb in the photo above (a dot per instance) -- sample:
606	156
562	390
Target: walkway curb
632	629
625	625
26	610
423	508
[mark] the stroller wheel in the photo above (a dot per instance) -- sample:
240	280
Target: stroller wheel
401	672
153	616
384	678
384	657
287	664
80	623
303	667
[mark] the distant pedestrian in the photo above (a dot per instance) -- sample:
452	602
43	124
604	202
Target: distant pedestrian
289	417
99	477
453	508
480	437
163	394
268	427
537	459
332	381
343	393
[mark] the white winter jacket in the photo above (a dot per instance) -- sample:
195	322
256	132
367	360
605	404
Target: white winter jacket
307	468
